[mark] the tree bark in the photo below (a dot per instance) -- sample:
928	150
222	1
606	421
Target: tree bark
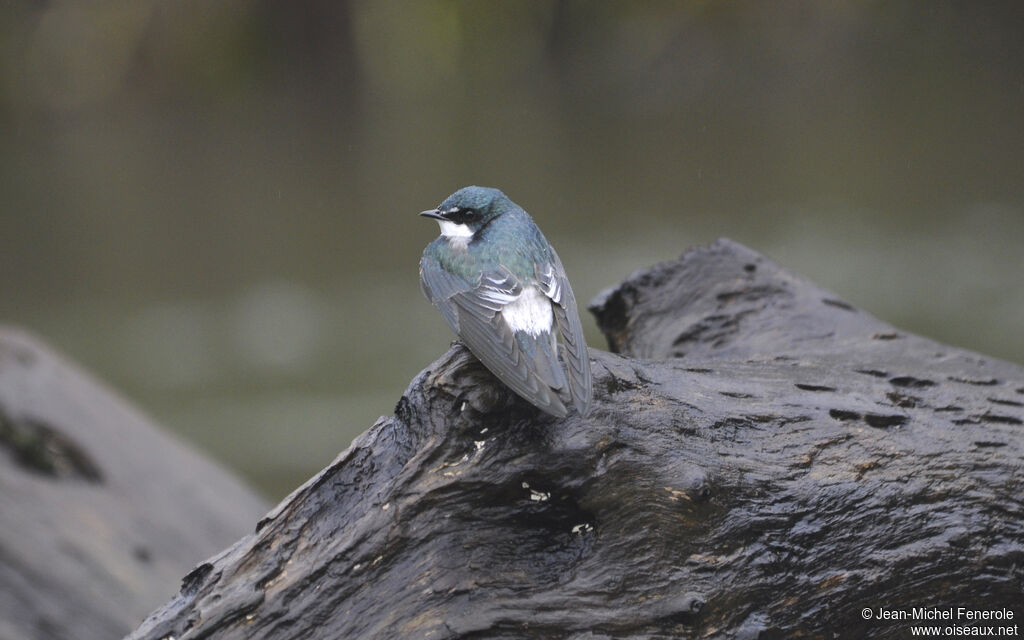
762	460
100	512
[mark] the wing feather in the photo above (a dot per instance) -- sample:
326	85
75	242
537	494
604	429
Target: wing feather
439	286
497	347
556	286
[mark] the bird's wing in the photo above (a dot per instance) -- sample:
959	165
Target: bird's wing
439	286
526	363
555	285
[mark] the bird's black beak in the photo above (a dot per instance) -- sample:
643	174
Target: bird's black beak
433	213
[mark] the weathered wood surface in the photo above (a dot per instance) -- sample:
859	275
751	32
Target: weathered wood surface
777	462
100	512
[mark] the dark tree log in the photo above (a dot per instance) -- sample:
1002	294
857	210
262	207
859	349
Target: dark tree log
100	512
778	462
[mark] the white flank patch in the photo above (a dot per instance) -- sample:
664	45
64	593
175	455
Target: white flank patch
452	230
530	312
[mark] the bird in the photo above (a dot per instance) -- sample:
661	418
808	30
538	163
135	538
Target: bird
503	290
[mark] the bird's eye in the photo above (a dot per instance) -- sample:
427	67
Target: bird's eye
468	215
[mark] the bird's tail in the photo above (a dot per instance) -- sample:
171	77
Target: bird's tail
543	352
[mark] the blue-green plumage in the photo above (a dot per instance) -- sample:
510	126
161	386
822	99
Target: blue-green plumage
502	288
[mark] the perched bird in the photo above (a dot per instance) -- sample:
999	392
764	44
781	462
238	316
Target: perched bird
503	290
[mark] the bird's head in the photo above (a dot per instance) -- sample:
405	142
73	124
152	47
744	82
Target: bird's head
468	210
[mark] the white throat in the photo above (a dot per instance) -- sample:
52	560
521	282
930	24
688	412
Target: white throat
452	230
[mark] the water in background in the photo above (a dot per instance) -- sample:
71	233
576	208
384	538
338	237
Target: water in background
213	207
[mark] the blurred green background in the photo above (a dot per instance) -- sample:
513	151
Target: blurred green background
212	204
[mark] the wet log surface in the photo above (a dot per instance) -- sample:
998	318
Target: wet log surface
763	460
100	512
